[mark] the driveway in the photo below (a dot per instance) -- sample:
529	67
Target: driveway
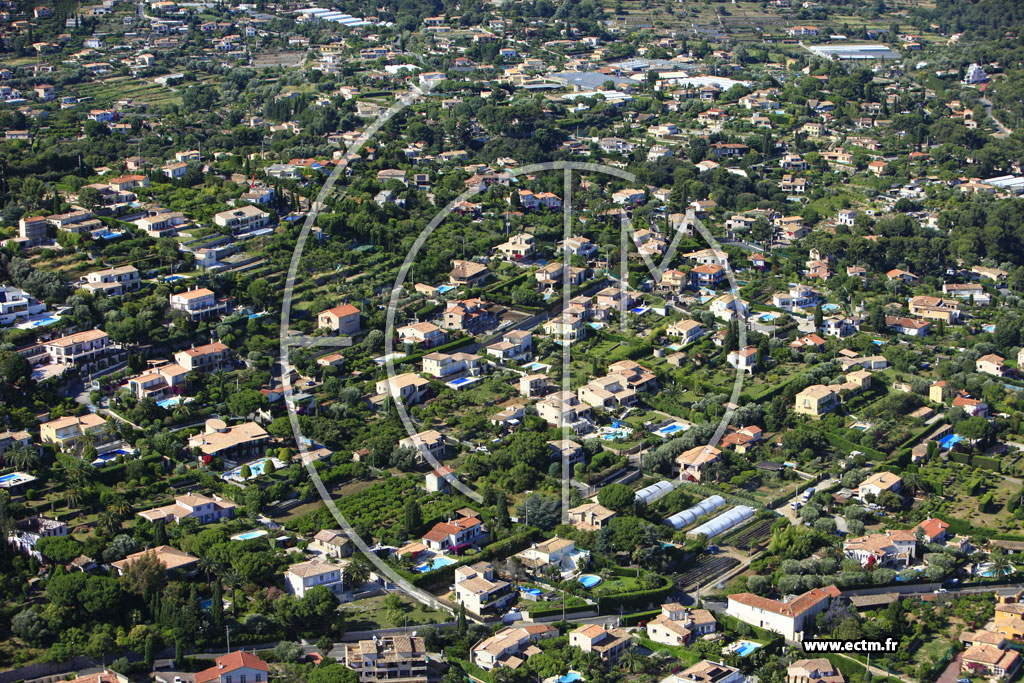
952	671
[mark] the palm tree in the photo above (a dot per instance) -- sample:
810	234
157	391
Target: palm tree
631	661
357	572
23	457
121	507
230	578
208	566
108	523
74	494
1000	563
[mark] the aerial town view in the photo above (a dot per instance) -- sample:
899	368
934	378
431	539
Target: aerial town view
511	341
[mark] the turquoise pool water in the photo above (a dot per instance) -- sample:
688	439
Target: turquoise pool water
589	580
249	535
746	647
168	402
571	677
531	591
433	564
670	429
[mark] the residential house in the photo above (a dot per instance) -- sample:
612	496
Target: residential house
609	645
17	305
690	465
990	364
88	351
469	315
816	400
678	626
64	431
243	442
113	281
744	359
706	671
191	506
425	335
688	331
984	660
341	319
331	543
408	387
172	559
200	303
206	358
907	326
511	646
813	671
457	534
427	444
1009	615
933	308
590	516
515	345
477	588
235	667
888	549
564	409
787	618
448	366
468	273
159	382
300	578
879	482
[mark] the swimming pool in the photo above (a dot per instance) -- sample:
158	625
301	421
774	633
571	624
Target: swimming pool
745	647
462	382
640	310
444	289
532	591
619	431
168	402
830	307
256	468
596	326
571	677
671	429
535	366
950	440
435	563
40	322
249	535
174	278
15	479
106	235
589	580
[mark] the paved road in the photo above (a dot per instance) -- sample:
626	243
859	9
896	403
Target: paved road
1003	130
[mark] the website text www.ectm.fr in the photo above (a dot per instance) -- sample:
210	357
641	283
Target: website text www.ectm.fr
857	646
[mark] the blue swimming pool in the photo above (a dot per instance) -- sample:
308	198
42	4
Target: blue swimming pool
106	235
43	322
444	289
174	278
768	316
532	591
462	380
745	647
830	307
9	477
589	580
256	468
640	310
571	677
249	535
435	563
950	440
168	402
670	429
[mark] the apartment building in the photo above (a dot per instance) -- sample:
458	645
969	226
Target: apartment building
34	230
200	303
388	658
564	409
88	351
817	400
113	281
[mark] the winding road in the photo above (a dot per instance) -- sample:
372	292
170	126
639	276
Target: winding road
1003	131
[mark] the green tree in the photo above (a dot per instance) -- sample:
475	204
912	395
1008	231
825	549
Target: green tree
618	497
413	517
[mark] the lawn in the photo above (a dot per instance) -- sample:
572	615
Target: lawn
373	613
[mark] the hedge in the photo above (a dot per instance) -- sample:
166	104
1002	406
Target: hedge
637	599
542	612
469	667
418	355
854	669
637	617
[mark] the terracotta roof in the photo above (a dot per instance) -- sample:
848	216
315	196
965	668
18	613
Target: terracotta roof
229	663
794	608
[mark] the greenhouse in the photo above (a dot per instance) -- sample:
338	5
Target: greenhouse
651	493
723	522
691	514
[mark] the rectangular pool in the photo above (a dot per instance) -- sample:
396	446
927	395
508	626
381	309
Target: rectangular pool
435	563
